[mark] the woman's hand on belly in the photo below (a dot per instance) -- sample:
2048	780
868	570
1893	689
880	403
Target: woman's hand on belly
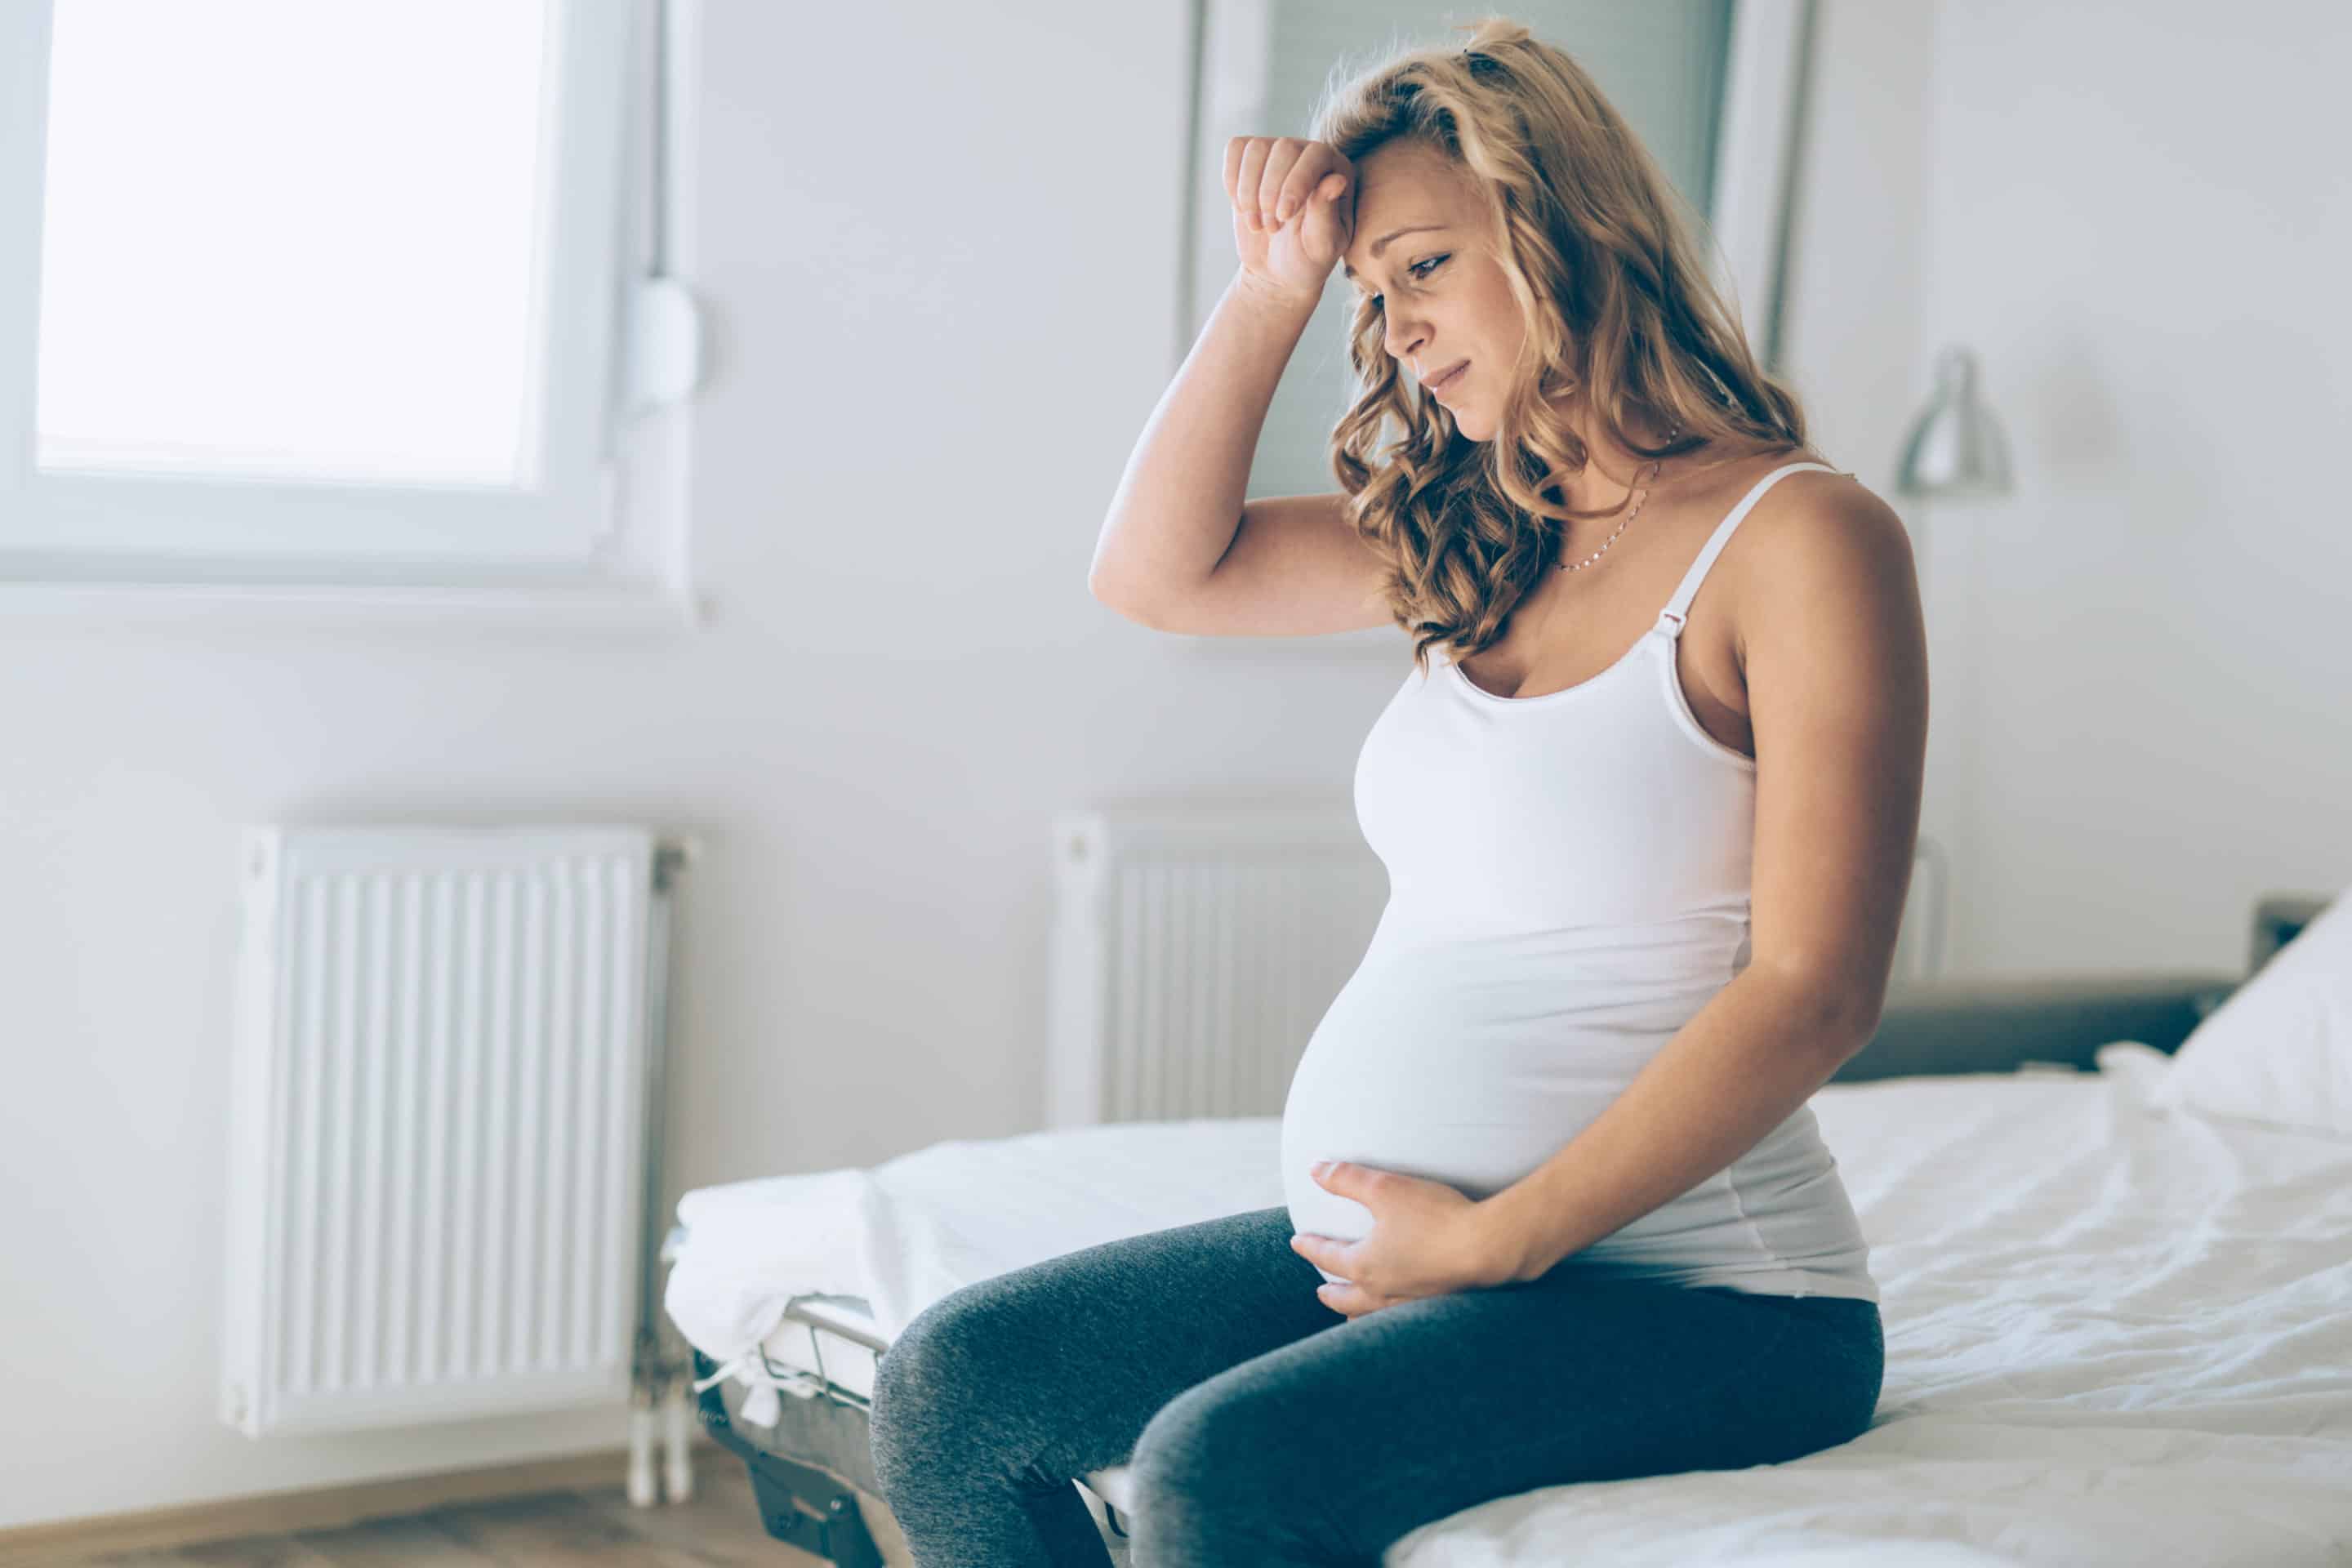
1427	1239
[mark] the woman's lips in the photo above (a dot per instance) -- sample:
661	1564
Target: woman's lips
1446	380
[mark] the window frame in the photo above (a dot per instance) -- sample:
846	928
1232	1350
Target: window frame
616	352
1764	106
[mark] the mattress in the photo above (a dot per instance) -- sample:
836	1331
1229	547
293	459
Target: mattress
2114	1333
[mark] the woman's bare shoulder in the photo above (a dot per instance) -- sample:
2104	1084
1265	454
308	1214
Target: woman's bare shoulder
1809	518
1717	478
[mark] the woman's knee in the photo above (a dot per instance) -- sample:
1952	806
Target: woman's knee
1218	1445
929	1381
1219	1477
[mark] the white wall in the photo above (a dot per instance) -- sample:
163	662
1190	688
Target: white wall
2136	213
938	249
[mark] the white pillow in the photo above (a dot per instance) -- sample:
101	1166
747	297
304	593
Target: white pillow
2279	1051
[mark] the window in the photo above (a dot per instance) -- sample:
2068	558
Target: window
355	297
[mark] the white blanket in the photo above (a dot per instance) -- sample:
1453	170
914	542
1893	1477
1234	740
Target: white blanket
2114	1335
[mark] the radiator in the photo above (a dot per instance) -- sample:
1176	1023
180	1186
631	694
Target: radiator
1195	948
436	1154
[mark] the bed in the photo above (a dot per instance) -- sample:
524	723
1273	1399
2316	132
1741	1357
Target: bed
2117	1331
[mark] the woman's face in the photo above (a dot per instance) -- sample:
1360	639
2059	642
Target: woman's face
1444	299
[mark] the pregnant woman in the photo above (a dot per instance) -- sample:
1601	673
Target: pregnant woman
1648	816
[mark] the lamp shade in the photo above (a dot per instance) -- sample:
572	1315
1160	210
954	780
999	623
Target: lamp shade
1955	447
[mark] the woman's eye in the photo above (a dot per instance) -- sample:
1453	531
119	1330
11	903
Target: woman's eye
1415	270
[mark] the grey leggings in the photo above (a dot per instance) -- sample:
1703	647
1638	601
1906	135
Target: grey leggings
1263	1427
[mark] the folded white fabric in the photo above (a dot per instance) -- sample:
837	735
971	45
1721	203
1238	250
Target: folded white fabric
752	1247
755	1244
2279	1051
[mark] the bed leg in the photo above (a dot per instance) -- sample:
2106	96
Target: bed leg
677	1423
642	1492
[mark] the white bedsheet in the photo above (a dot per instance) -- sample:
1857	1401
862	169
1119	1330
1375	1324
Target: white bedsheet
2114	1335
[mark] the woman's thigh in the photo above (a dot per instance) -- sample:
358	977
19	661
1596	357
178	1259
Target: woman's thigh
1050	1371
1331	1447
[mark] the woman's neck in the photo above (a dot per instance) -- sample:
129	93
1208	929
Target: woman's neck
1611	470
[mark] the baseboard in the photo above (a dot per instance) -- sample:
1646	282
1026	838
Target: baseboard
316	1508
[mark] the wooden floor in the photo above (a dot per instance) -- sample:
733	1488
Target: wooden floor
719	1528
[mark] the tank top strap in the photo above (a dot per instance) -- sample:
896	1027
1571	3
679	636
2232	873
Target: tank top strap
1671	618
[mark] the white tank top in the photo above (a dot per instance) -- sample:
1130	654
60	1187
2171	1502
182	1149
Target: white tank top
1567	885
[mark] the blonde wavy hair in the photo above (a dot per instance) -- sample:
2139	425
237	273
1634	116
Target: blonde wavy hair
1597	245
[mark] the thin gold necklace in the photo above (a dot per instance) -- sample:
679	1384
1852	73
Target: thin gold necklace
1655	465
1644	495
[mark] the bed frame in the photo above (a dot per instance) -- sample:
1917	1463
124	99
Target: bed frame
812	1475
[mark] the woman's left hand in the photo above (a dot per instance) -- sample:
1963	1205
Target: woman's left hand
1427	1239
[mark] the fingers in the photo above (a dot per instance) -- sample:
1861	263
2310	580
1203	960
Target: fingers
1238	172
1327	224
1309	177
1281	156
1353	1300
1270	178
1247	157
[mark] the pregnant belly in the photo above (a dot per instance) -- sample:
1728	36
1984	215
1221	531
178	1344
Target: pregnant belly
1457	1086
